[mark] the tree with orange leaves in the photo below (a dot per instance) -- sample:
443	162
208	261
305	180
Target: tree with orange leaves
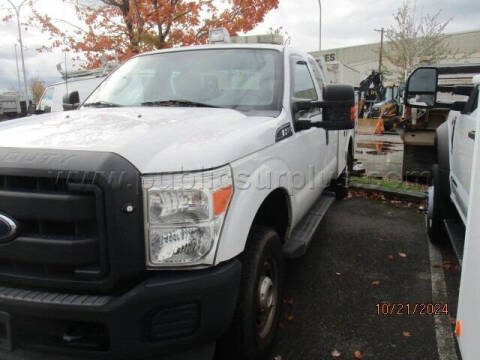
122	28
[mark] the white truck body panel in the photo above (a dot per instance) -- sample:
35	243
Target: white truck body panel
468	314
154	140
461	148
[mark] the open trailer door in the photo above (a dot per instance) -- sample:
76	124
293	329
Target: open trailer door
468	316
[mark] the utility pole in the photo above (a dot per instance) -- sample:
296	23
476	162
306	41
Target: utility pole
18	69
17	12
320	27
380	60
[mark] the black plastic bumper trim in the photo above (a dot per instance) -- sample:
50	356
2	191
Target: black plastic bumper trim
128	317
52	298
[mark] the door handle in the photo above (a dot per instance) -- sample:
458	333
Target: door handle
471	134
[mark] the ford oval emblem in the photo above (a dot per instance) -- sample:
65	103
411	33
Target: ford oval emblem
8	228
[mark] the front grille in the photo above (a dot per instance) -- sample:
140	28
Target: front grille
61	229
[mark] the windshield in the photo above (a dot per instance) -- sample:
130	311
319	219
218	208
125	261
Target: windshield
243	79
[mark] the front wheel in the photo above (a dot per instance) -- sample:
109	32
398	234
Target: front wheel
257	315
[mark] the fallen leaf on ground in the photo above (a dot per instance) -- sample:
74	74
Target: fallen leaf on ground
390	257
358	355
376	283
402	255
290	318
336	353
406	333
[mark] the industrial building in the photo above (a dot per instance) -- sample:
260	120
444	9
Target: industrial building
365	58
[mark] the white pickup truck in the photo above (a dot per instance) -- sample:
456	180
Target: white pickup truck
448	197
155	220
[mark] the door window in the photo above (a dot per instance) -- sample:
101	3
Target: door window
303	87
317	74
46	101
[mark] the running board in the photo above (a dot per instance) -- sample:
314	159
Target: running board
303	233
456	233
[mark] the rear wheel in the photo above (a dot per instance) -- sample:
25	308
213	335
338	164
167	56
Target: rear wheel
434	217
258	310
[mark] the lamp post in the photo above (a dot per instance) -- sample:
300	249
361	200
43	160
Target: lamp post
320	27
17	12
18	69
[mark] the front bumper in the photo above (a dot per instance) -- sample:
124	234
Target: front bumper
163	317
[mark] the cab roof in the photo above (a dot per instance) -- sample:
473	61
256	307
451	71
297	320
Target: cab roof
217	46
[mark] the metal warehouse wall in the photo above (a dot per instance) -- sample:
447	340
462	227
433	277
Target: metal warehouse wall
364	58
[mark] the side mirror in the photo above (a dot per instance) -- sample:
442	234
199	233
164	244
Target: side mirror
71	101
421	88
339	112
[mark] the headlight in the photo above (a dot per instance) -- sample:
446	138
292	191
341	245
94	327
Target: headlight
184	215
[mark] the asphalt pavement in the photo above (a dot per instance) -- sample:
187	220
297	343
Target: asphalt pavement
365	253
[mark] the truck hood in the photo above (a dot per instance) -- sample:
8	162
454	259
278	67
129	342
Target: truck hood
159	139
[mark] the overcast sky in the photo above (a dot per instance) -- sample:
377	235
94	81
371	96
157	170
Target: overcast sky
345	23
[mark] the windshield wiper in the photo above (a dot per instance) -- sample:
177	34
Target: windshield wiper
178	103
102	104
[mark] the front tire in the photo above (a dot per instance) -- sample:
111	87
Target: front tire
257	315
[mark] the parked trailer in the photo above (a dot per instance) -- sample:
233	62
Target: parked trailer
11	104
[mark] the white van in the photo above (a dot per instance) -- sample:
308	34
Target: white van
52	98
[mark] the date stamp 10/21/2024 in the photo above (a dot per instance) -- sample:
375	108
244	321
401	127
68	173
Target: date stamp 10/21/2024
408	309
